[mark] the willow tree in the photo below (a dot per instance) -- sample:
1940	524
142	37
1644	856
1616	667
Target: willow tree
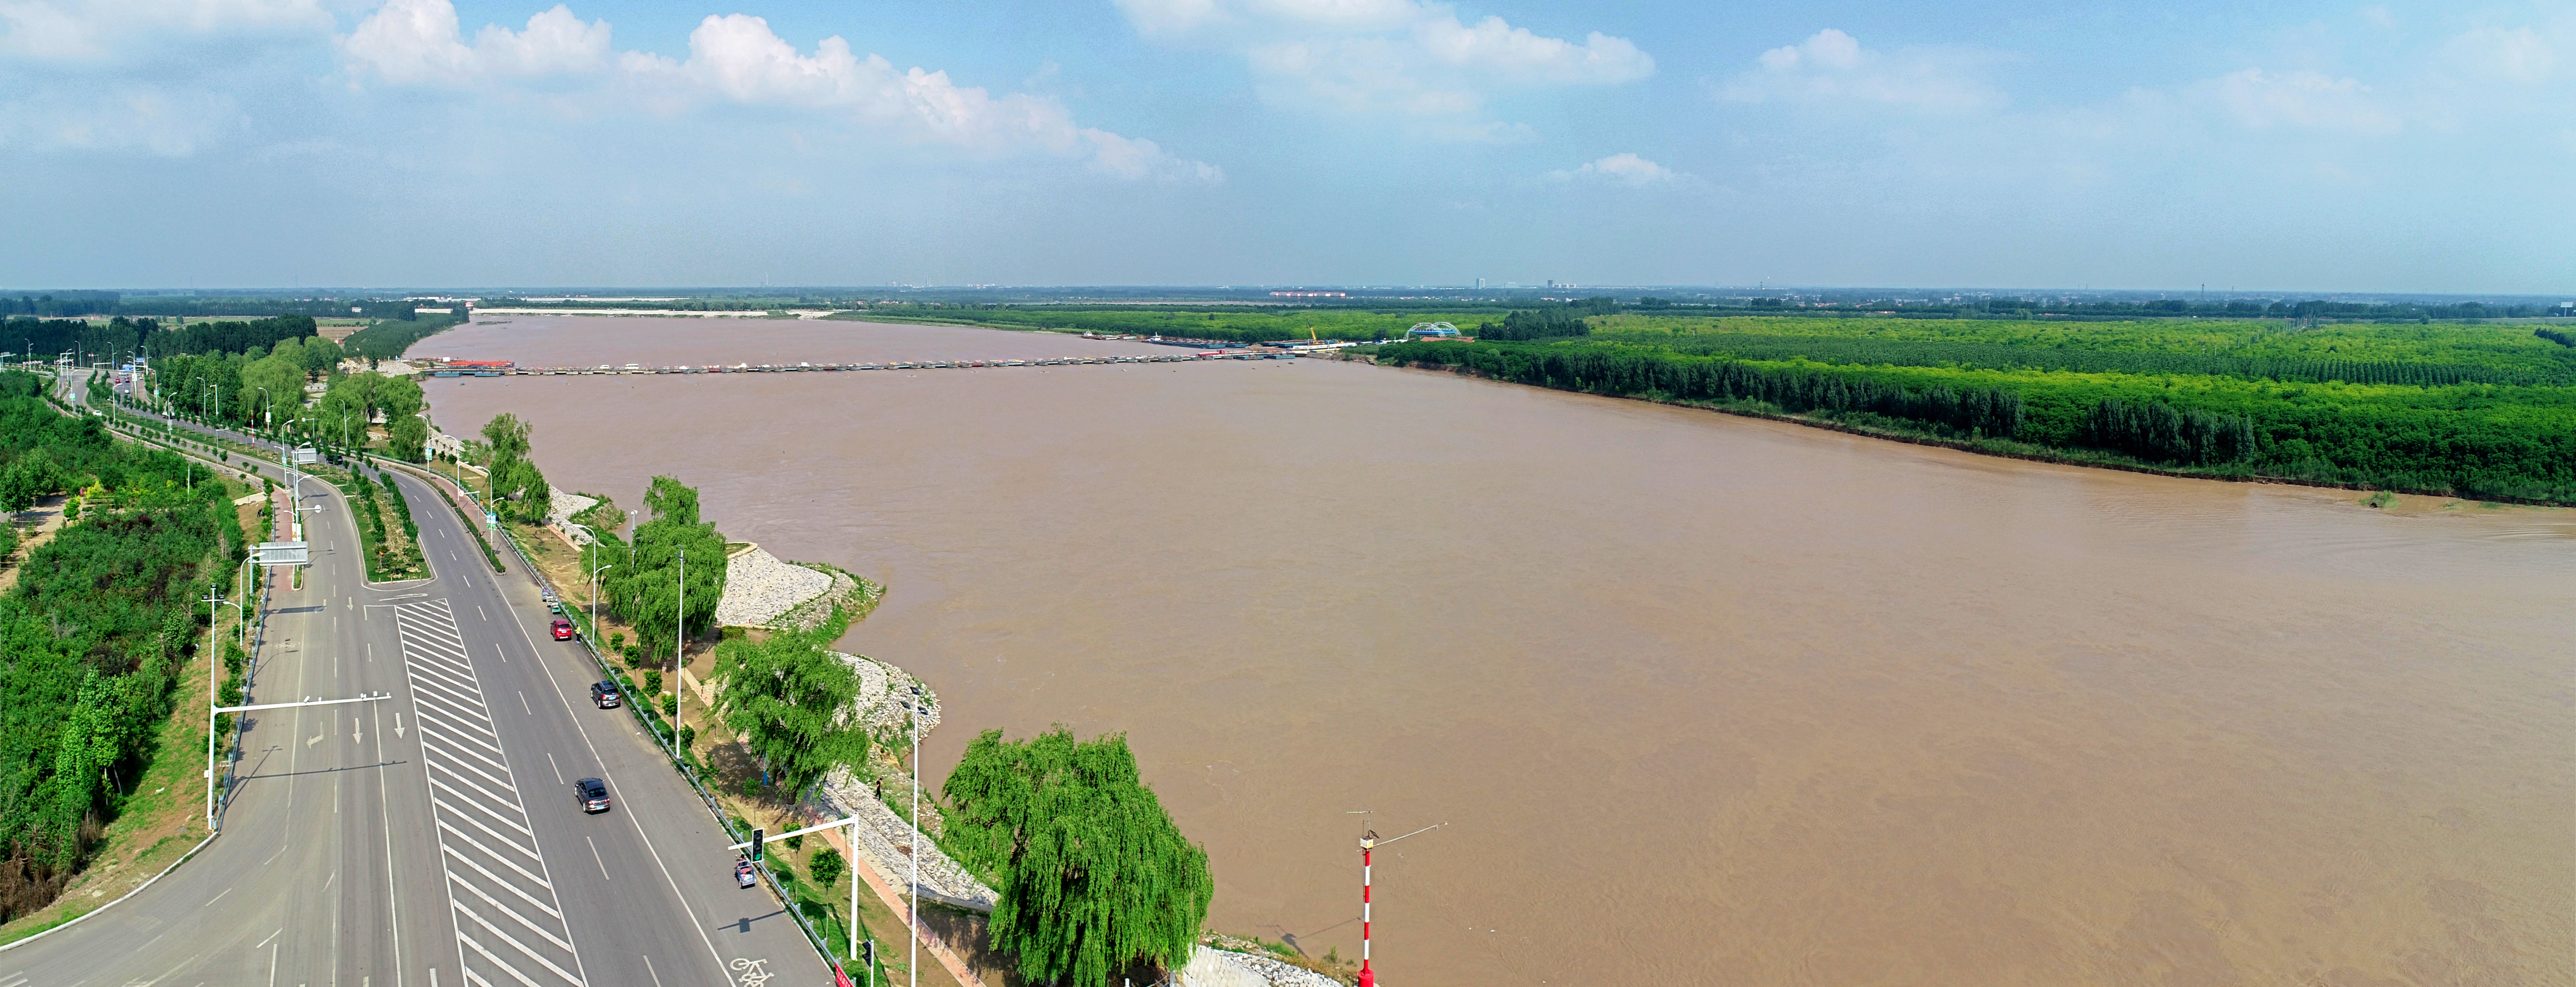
789	698
646	589
517	488
1093	875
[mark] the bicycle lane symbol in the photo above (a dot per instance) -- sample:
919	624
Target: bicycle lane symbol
754	973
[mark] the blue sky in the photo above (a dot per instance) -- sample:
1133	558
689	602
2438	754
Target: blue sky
2321	147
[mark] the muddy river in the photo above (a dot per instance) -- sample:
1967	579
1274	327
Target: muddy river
1700	699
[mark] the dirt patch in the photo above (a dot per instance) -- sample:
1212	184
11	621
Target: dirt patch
36	527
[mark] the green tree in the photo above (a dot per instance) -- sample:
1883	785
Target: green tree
398	397
273	388
646	589
1093	875
319	357
519	490
826	866
408	437
790	697
33	475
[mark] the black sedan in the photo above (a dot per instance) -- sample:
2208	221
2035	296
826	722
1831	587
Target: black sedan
592	793
604	695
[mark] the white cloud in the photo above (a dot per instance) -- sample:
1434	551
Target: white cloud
736	59
2519	55
125	117
416	41
1624	169
1513	52
108	30
2262	100
1405	58
1832	67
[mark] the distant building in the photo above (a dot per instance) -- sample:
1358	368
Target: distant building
1433	331
1310	294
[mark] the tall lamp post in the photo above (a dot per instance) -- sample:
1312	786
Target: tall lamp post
912	901
680	658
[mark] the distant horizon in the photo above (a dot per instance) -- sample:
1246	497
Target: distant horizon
1377	291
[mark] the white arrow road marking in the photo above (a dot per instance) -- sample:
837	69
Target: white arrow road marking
354	734
398	727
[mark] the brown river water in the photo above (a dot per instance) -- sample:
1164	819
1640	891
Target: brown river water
1701	699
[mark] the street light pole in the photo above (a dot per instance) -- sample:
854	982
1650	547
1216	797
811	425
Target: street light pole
680	656
912	902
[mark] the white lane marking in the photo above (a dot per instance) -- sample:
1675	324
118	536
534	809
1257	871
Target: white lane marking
385	806
499	882
165	974
523	704
594	855
550	762
478	611
658	863
264	942
648	968
219	897
488	850
515	943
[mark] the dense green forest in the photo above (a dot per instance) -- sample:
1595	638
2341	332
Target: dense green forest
122	338
1236	323
2243	347
95	633
2482	440
254	387
60	304
386	340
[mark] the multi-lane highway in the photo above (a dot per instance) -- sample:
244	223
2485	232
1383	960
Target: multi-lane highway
433	837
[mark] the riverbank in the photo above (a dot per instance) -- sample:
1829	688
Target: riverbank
1896	430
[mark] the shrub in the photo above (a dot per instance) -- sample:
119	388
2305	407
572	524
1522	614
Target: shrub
826	866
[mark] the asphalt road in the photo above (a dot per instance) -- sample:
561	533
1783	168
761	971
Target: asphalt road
433	838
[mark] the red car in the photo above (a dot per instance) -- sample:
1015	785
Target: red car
563	630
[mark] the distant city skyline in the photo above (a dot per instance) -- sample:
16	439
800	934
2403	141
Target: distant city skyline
2339	148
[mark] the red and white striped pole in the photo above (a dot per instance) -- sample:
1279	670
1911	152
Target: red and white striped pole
1368	844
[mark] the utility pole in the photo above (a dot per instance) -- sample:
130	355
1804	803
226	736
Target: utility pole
1368	849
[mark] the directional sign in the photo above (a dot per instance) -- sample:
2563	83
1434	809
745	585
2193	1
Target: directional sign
270	553
306	456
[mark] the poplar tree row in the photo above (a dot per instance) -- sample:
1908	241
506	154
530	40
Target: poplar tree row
1984	411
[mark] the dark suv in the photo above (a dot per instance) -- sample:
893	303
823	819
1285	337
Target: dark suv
592	793
604	695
